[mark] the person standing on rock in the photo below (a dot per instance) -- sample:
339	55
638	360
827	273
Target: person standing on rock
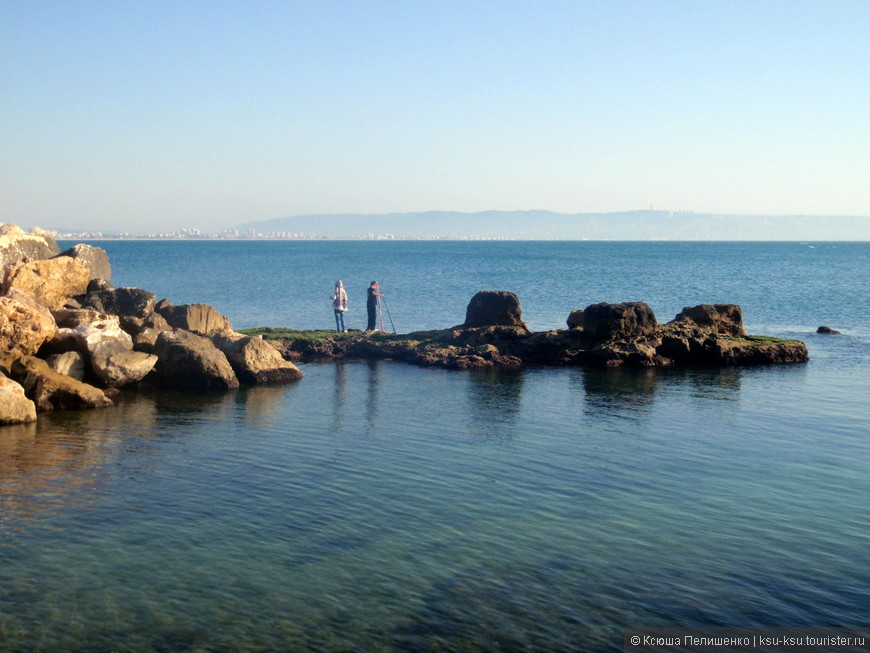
372	304
339	306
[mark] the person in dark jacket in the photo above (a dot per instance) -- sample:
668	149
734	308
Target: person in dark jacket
372	304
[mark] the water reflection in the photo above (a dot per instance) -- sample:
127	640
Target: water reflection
633	392
65	460
372	395
339	397
495	402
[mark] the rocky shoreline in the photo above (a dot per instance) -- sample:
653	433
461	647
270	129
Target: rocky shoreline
69	339
601	335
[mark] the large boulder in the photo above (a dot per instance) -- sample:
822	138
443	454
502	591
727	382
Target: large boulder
94	257
256	361
619	321
201	319
494	308
725	319
50	282
24	327
109	350
15	407
116	365
186	360
51	390
131	305
70	318
17	246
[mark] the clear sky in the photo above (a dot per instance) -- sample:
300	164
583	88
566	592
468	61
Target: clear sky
164	114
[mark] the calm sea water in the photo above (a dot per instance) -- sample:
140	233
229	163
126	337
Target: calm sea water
383	507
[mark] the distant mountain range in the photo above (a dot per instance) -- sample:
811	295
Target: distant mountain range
546	225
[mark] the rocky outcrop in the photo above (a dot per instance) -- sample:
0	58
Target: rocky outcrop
828	330
725	319
24	327
50	390
610	336
256	361
201	319
50	282
17	246
613	321
15	407
94	257
494	308
186	360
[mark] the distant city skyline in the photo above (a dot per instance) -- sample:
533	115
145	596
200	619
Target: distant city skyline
143	117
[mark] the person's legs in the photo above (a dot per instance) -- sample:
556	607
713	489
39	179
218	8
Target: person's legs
340	317
338	324
371	326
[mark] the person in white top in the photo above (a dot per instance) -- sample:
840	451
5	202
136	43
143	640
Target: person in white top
339	305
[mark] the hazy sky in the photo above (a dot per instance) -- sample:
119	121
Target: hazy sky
155	115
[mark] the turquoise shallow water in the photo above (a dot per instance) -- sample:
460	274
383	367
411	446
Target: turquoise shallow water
382	507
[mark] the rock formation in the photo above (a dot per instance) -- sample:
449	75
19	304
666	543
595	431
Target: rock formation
69	339
601	335
493	308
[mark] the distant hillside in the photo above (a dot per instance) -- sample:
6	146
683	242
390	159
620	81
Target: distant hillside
546	225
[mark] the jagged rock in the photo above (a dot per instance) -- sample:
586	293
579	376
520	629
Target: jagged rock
575	319
96	285
94	257
201	319
828	330
24	327
494	308
256	361
189	361
50	282
15	407
51	390
70	318
17	246
71	363
146	337
618	321
116	365
131	305
86	336
725	319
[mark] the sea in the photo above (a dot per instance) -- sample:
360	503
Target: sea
378	506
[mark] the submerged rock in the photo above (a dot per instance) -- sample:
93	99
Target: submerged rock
828	330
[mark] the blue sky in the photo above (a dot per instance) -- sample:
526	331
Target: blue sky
156	115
